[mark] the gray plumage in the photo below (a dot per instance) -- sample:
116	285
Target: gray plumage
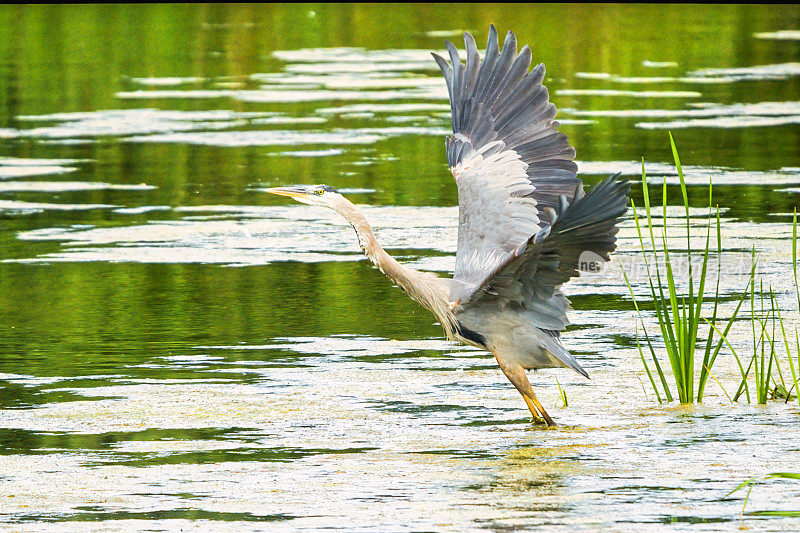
524	219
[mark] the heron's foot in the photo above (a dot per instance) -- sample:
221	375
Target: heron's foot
549	421
535	407
538	420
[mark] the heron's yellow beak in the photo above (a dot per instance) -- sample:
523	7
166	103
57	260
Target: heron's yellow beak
291	192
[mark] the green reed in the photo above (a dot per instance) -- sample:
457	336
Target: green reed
562	394
769	331
786	338
764	357
679	315
775	319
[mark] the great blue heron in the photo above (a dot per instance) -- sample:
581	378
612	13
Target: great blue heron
524	220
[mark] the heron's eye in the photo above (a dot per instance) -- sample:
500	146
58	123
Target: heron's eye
320	192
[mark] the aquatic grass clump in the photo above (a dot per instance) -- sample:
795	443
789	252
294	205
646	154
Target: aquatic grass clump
772	330
787	338
764	356
679	315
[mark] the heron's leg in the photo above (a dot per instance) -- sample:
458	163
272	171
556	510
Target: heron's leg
516	375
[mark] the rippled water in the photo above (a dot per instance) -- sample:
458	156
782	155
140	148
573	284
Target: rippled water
181	350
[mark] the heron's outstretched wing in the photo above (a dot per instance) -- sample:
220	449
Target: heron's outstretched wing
582	235
510	163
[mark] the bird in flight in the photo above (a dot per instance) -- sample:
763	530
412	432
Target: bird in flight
525	224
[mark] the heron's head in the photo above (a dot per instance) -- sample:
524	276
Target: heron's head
321	195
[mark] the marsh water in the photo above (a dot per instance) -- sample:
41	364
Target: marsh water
180	350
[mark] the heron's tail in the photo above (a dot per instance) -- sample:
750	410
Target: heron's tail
552	343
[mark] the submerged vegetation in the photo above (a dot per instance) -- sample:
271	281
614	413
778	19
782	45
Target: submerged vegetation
680	316
768	512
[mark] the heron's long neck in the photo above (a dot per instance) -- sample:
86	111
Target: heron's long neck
404	277
427	289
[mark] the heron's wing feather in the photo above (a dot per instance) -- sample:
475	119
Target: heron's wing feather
510	163
498	99
495	214
583	233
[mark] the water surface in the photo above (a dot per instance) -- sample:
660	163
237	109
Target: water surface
180	349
